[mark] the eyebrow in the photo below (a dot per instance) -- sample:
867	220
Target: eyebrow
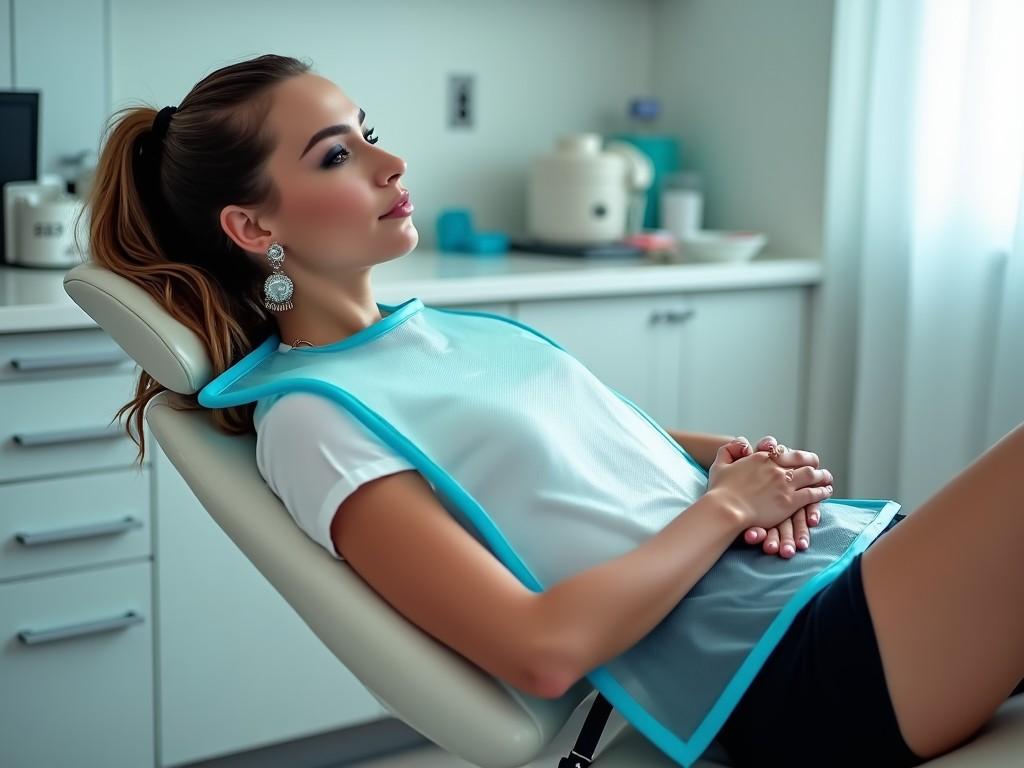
331	130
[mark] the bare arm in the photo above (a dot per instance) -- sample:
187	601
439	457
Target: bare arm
701	445
601	612
399	538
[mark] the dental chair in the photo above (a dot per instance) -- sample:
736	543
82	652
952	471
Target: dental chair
422	682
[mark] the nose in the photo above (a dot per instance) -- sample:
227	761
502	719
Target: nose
392	168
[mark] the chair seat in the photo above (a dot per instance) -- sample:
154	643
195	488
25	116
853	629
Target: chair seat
1000	743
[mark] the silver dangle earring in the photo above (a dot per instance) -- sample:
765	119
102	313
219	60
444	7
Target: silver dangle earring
278	287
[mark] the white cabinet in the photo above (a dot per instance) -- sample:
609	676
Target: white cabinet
76	662
64	425
742	362
495	308
238	668
71	522
76	614
620	339
725	362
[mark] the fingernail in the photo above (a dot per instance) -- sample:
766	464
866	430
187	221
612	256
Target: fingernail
802	541
788	549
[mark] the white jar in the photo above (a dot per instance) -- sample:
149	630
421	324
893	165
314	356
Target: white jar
578	193
682	204
46	231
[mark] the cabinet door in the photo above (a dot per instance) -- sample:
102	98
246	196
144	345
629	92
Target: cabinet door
620	339
63	425
742	356
74	521
76	669
238	668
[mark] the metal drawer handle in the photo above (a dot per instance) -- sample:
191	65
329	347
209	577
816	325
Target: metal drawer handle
679	316
69	360
39	636
69	435
671	316
78	532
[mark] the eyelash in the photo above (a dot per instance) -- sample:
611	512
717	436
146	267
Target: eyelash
344	153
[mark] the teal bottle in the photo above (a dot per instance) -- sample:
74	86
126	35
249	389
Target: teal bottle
664	151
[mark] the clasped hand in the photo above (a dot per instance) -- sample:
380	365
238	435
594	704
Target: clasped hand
793	533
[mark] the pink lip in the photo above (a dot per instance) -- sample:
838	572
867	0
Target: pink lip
402	208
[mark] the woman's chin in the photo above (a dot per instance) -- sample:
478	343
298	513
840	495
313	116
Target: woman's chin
410	234
410	241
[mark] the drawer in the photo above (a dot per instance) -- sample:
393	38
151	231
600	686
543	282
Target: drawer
51	426
68	522
27	356
76	661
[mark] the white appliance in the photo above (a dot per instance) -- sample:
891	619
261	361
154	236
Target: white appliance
39	224
584	193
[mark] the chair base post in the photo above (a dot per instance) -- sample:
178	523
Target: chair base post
582	753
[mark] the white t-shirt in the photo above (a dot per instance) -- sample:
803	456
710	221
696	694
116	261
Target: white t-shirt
313	454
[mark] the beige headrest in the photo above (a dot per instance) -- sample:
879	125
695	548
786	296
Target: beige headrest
166	349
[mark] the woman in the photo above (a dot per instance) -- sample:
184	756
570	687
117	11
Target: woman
198	207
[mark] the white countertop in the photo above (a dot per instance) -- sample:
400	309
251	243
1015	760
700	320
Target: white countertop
35	300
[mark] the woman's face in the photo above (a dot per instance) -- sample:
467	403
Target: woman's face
334	184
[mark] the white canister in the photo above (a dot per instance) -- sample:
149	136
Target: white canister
46	231
578	193
682	204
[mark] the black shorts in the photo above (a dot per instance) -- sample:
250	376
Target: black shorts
821	698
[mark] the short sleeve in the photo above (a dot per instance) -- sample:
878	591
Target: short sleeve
313	454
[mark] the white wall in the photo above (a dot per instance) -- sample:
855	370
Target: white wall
542	68
745	87
58	47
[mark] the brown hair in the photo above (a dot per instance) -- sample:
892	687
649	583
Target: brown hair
169	241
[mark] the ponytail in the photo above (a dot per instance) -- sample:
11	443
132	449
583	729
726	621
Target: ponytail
158	226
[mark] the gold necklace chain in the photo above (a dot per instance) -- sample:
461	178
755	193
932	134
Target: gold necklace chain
302	341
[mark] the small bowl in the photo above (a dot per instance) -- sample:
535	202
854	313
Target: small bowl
721	245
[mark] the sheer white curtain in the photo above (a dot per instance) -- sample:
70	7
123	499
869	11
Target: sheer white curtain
939	356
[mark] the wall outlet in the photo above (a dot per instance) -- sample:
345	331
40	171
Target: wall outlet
461	101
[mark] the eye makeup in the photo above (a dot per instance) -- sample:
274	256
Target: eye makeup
337	154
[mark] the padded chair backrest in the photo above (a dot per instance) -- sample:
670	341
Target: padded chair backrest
420	680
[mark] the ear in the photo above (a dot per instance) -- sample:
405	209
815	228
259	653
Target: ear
241	226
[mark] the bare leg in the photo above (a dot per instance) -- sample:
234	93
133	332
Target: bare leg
945	589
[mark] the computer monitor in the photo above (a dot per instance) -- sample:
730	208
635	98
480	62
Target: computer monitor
19	143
